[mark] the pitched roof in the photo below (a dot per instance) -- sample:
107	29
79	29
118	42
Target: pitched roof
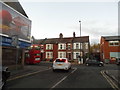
61	40
109	38
81	39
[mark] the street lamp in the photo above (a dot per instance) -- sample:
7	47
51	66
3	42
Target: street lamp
80	28
80	41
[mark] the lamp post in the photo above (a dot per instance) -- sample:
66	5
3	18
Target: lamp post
80	41
80	28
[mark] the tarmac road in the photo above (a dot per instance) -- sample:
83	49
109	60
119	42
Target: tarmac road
79	76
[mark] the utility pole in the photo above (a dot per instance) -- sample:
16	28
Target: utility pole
80	40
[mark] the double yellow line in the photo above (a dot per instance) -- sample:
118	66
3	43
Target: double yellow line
114	86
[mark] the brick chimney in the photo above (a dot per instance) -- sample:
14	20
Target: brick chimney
61	35
73	34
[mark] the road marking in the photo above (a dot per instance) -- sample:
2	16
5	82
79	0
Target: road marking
26	75
63	79
74	70
114	86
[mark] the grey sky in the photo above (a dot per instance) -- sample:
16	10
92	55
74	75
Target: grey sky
51	18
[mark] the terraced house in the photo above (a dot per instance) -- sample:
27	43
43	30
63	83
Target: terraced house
64	47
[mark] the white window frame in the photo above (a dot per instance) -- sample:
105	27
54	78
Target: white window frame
69	46
86	45
50	47
113	42
50	55
75	45
63	46
61	54
75	55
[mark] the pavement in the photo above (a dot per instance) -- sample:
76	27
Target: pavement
26	71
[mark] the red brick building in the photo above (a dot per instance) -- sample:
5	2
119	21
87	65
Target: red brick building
110	48
64	47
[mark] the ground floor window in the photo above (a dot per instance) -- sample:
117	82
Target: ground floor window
76	54
61	54
49	55
114	55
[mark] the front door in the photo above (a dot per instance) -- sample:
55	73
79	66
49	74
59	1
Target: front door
69	56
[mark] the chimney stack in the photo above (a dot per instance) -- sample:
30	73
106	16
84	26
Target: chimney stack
73	34
61	35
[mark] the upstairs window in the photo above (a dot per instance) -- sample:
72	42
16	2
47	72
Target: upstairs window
86	45
49	46
114	43
69	46
77	45
61	46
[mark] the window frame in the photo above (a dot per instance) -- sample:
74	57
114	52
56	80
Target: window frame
49	46
62	46
49	55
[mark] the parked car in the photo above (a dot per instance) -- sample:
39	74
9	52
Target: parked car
5	74
118	61
61	63
94	62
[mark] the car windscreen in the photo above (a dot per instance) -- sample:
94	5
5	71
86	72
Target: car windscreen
60	60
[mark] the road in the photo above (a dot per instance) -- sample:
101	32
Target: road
79	76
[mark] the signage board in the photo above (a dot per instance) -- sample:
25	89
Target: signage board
14	23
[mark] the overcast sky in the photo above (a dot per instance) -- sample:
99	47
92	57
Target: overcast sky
49	19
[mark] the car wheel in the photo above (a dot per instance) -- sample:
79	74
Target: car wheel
100	65
87	64
67	70
53	70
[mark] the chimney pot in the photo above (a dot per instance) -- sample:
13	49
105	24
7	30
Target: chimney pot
73	34
61	35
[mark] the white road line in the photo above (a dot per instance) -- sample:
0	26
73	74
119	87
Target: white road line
74	70
63	79
59	82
